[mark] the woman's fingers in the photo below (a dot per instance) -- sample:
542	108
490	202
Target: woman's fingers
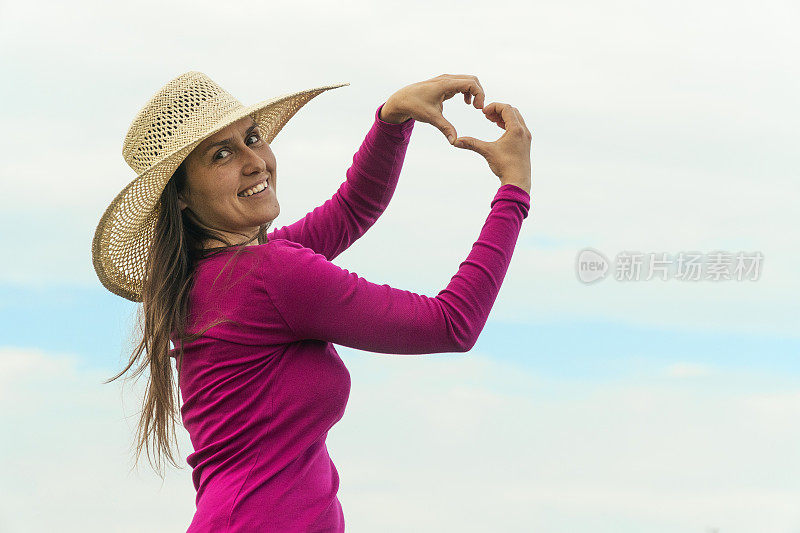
471	143
475	89
509	115
505	114
467	84
443	125
492	112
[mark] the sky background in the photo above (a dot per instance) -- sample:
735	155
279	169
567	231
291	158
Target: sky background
639	406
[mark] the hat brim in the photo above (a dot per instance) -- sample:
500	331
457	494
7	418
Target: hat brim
123	236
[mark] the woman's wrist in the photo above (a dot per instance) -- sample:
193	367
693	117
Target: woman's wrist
389	114
525	185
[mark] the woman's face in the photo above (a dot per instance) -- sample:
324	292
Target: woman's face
220	169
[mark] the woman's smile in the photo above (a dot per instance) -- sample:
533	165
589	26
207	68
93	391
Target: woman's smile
255	190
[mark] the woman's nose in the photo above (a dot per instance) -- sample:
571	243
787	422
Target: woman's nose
254	160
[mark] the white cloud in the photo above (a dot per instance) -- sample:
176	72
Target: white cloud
66	456
437	443
472	444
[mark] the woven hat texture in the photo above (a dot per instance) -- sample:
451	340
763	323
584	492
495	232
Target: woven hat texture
186	110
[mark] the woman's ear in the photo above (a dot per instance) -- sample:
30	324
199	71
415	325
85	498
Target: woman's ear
181	203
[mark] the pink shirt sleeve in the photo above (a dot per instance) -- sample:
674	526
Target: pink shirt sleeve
371	181
319	300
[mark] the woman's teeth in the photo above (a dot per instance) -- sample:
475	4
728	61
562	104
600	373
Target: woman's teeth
254	190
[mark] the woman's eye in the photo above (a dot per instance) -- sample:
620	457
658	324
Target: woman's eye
258	138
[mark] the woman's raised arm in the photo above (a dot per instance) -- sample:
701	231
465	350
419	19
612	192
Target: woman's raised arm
332	227
319	300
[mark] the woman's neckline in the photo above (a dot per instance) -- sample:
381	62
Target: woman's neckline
227	249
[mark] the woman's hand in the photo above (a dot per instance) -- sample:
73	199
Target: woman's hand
422	101
509	157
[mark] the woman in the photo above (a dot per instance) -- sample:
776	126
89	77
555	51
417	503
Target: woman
253	315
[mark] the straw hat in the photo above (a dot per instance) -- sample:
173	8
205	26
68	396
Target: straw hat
174	121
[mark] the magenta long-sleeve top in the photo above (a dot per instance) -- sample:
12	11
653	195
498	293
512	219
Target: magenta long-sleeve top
261	392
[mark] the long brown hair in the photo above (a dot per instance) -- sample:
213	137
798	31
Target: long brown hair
176	248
